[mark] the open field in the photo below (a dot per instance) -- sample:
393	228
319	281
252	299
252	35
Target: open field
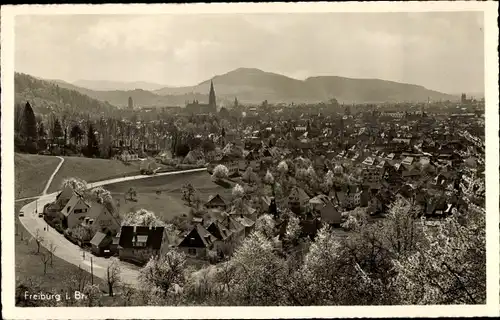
31	173
92	170
167	203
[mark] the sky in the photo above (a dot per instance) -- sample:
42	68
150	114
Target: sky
442	51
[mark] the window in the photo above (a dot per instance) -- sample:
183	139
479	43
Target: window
192	251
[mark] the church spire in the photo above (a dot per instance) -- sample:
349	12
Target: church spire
211	95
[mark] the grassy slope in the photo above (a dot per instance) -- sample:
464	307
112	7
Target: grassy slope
92	170
168	203
32	173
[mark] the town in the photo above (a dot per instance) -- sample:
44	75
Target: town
285	171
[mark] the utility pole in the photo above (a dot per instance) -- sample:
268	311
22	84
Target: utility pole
36	206
92	270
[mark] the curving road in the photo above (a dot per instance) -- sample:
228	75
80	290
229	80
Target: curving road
69	251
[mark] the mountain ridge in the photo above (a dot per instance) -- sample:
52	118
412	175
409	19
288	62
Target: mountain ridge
252	86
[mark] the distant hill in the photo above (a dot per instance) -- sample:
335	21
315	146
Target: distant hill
141	98
46	96
117	85
254	85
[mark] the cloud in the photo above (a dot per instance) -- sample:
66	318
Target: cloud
431	49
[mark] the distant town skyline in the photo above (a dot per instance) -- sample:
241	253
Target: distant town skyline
442	51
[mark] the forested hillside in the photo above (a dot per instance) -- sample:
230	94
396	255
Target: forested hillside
46	96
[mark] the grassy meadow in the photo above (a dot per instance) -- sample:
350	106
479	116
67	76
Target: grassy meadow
32	173
163	194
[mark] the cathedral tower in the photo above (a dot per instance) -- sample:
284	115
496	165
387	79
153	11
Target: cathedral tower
211	97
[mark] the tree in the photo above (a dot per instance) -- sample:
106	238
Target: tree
142	217
93	295
78	280
260	276
112	276
76	134
283	167
45	258
449	266
57	131
38	238
29	128
42	134
317	279
293	229
131	194
76	184
401	228
52	249
92	143
238	192
268	178
265	225
249	176
188	194
220	172
100	195
208	145
164	271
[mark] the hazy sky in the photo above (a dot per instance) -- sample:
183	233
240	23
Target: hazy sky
441	51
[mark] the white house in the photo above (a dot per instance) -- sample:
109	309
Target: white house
74	212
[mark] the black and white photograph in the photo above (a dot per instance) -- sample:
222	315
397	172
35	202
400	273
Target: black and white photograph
229	158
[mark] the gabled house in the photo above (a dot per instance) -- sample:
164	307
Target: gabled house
297	198
222	243
246	222
322	206
138	244
73	213
216	202
194	157
104	220
369	161
64	196
197	242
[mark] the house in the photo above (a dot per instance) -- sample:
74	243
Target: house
236	228
372	174
128	156
390	156
73	213
407	162
328	213
104	221
138	244
247	223
369	161
216	202
197	242
165	157
297	198
64	196
101	244
194	157
232	164
222	243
